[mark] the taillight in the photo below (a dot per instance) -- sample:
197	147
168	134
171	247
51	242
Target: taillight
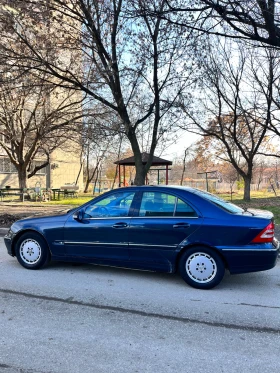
266	235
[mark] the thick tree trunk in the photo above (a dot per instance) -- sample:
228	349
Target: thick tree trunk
22	177
140	175
247	188
140	168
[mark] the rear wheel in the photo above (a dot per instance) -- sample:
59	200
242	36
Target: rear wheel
32	251
201	267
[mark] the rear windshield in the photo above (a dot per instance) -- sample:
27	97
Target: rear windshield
228	206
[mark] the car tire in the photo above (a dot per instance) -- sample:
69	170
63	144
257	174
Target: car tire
32	251
201	267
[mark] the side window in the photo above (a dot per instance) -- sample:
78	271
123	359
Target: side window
157	204
183	209
115	205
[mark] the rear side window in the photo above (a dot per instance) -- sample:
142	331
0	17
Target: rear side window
184	210
156	204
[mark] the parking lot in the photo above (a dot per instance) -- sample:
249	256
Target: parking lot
69	318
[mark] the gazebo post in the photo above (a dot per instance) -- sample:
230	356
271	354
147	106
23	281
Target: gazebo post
166	178
123	175
119	175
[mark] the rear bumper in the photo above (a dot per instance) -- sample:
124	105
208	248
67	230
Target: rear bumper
251	258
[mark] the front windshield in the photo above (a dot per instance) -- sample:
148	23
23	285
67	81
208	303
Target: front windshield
228	206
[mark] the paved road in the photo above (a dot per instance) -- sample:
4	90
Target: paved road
84	318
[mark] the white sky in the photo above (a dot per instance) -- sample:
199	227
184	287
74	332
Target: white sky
177	150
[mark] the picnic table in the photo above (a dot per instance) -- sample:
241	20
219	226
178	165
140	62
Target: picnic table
65	191
57	192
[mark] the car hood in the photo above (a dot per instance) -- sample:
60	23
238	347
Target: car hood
38	221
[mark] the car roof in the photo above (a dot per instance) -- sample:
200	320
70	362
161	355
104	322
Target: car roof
178	187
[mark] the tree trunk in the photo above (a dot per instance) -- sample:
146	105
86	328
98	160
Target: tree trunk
86	186
95	182
139	167
140	175
22	177
247	187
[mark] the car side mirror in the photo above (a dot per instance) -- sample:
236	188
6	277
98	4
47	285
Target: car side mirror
79	215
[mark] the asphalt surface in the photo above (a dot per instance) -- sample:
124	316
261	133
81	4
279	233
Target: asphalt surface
67	319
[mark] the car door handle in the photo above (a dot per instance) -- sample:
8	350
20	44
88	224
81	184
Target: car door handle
181	225
120	225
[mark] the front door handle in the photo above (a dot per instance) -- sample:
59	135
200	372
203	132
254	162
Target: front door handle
120	225
181	225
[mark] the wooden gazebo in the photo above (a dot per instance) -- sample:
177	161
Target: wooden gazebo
156	162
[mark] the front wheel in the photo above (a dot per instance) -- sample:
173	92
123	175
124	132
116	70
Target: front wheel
32	251
201	268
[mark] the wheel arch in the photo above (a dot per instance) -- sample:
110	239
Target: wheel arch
185	248
21	233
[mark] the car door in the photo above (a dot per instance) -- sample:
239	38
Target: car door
163	222
100	230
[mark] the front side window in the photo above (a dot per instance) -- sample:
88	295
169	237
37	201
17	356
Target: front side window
156	204
115	205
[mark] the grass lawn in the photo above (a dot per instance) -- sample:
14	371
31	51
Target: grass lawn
71	201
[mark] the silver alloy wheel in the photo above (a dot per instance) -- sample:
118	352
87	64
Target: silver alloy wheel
30	251
201	267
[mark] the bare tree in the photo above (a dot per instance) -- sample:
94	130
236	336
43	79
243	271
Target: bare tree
131	65
187	154
251	20
96	147
228	174
236	131
35	119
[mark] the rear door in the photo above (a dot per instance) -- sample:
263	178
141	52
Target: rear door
163	222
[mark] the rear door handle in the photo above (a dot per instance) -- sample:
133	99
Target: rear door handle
181	225
120	225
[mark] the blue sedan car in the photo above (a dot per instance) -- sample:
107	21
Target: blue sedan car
158	228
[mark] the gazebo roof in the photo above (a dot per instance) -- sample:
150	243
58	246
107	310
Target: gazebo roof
156	161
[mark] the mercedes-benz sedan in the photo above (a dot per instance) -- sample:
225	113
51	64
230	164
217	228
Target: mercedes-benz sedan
158	228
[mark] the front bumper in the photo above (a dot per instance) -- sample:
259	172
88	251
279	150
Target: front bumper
8	238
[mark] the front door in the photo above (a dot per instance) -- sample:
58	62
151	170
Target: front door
100	231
